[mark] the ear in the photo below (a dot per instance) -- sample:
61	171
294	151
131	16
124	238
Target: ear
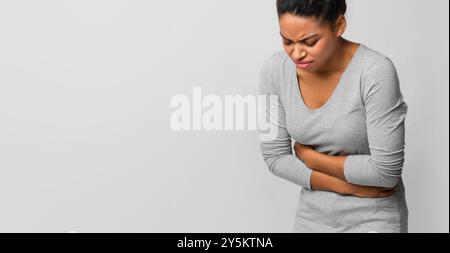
341	25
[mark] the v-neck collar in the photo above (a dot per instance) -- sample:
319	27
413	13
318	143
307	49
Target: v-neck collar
336	90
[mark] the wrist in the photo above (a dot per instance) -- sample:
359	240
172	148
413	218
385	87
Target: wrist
344	188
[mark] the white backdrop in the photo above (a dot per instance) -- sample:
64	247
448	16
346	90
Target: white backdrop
85	140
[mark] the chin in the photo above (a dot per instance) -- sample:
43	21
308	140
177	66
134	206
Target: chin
311	69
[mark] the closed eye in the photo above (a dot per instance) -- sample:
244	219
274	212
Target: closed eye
310	44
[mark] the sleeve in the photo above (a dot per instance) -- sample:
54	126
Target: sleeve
385	120
275	141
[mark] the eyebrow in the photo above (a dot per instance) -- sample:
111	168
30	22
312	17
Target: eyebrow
303	40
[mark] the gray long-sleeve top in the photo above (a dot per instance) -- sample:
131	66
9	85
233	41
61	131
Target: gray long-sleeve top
364	119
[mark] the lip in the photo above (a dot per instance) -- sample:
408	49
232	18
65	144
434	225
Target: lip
303	64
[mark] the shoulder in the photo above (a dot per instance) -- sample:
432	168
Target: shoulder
379	77
376	66
275	62
273	70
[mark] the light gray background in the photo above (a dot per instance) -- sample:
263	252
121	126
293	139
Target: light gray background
85	141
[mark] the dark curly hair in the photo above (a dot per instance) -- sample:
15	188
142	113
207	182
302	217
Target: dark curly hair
323	10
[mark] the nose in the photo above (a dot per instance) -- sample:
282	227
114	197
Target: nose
298	53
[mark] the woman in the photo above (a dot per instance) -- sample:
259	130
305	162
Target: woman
341	103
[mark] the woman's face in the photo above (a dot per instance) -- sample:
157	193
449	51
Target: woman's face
306	40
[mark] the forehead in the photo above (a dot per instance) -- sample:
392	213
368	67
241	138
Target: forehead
297	27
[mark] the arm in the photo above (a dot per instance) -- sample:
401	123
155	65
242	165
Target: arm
331	165
275	142
385	115
325	182
325	165
385	119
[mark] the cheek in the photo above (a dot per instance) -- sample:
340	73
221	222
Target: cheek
320	52
288	49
